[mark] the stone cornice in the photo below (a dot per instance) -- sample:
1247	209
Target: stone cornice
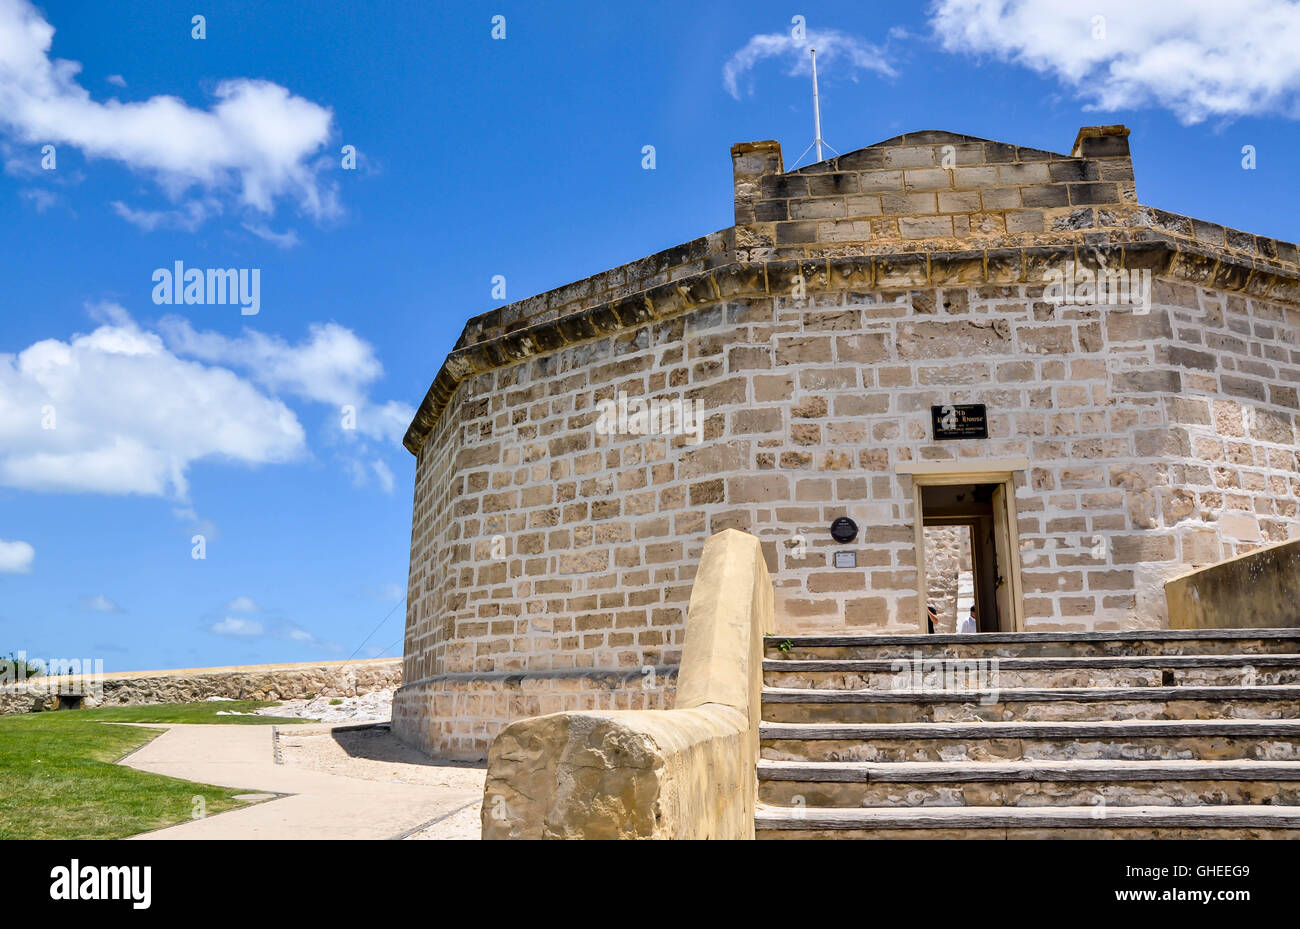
1162	253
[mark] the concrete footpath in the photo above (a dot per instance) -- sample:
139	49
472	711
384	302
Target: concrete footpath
315	804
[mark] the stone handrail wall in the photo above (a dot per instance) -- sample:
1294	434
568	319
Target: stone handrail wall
685	773
304	680
1258	590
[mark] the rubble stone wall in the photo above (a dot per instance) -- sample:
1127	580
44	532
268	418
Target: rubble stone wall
249	682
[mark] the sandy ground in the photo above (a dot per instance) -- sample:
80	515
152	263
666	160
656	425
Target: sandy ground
376	706
374	754
462	825
333	785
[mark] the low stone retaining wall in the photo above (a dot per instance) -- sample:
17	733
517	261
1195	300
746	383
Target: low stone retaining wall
1258	590
188	685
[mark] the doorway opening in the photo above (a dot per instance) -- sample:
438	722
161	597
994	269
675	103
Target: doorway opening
949	574
967	554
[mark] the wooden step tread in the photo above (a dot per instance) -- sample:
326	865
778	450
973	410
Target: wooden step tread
1136	635
1034	694
1052	663
1020	817
1101	729
924	772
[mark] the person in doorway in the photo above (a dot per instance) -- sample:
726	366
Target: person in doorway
931	614
968	624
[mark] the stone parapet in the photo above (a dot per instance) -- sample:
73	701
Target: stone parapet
1153	247
685	773
1258	590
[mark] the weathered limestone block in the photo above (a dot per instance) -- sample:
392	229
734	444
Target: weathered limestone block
676	774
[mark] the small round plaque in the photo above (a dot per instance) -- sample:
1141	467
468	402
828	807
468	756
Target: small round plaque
844	530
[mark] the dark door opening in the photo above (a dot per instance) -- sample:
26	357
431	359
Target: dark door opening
972	520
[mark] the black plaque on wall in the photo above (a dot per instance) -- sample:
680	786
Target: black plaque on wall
960	421
844	530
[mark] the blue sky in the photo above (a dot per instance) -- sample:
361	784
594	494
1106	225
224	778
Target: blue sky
476	157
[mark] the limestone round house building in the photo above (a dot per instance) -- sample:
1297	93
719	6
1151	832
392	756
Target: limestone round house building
939	370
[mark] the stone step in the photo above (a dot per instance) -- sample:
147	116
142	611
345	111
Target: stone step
997	705
1148	822
1029	783
1037	644
1217	739
1060	671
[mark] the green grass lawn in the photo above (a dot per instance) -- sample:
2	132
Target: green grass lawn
58	779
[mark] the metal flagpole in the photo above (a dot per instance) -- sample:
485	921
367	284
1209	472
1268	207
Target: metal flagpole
817	110
817	141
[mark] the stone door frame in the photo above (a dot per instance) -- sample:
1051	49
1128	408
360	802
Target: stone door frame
969	471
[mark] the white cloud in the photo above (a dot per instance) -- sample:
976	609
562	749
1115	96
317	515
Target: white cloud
232	625
386	593
1199	59
257	140
837	52
332	366
287	239
16	557
356	470
116	412
39	198
100	604
383	474
362	471
116	80
187	217
204	527
126	410
243	605
302	636
24	161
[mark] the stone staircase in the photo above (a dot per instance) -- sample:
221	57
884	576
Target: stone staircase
1166	734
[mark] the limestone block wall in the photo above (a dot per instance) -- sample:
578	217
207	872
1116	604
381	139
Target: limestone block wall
1173	493
1237	364
551	564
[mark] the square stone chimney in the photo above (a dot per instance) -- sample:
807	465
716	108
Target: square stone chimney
929	185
